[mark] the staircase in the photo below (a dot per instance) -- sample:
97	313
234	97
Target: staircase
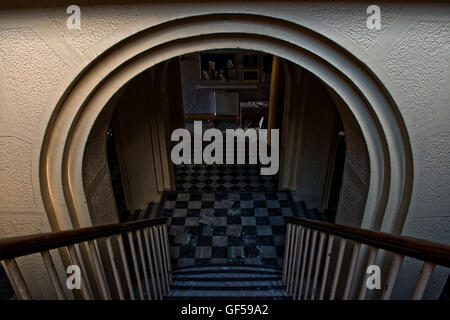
302	211
227	282
137	253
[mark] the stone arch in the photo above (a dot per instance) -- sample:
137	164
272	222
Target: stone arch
77	109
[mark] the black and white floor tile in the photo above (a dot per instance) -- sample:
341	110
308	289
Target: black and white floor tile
220	214
220	177
226	227
223	178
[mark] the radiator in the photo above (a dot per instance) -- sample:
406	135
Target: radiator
227	103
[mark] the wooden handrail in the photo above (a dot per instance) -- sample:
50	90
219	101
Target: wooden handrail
438	253
23	245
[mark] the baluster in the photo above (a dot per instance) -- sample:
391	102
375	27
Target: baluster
155	246
117	279
135	264
327	265
164	258
84	287
17	281
318	261
370	261
163	275
392	276
304	260
151	257
295	260
291	258
337	271
425	275
351	270
144	265
286	253
168	257
300	254
125	266
51	270
311	260
99	270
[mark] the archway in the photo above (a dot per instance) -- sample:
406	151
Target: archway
84	99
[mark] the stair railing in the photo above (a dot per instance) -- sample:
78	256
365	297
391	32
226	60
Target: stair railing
150	257
311	247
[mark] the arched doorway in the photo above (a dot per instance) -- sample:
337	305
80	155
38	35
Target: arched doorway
370	103
225	212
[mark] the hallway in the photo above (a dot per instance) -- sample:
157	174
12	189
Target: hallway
226	178
225	214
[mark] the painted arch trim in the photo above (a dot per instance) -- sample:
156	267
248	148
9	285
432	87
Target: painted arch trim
89	91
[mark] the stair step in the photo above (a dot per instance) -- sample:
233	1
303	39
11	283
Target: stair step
308	214
299	212
224	275
253	268
244	294
240	270
226	285
303	211
227	282
227	278
320	216
227	271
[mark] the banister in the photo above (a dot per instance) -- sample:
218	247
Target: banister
438	253
23	245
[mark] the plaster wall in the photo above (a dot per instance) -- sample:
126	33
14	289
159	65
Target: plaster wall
308	126
40	58
356	175
96	174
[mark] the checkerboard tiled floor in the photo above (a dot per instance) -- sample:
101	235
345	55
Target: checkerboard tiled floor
223	178
226	227
236	177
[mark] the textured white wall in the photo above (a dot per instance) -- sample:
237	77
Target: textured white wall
410	55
